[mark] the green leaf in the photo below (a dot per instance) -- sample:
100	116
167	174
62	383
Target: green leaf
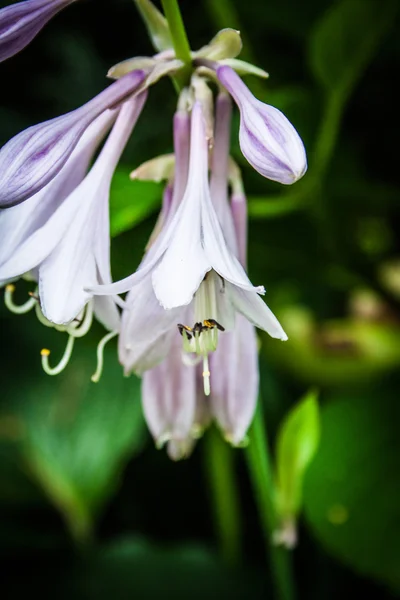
275	207
297	444
131	201
345	39
80	434
352	489
175	571
156	23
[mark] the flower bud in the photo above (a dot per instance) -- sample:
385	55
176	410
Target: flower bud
20	22
267	139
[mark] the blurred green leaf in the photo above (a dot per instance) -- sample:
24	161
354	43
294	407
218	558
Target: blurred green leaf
131	201
352	489
139	569
275	207
79	435
297	444
336	352
345	39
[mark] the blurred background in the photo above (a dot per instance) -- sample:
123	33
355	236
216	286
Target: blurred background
88	507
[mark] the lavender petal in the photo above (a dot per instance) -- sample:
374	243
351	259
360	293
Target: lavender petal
33	158
19	23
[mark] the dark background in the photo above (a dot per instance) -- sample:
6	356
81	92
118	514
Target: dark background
88	507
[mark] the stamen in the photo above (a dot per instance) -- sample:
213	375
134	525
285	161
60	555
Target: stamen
42	319
100	355
63	362
80	328
15	308
206	375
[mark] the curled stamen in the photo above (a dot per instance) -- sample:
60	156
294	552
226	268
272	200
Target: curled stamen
42	319
206	375
63	362
79	328
15	308
100	355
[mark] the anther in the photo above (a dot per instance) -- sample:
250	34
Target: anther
45	353
15	308
211	323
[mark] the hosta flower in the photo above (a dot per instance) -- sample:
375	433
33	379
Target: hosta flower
69	243
33	158
61	235
20	22
191	286
267	139
193	244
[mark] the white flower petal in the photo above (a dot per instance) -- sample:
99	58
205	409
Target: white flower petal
147	330
19	222
217	252
38	246
256	311
182	268
71	267
106	312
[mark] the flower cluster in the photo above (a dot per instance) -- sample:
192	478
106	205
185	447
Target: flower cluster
198	354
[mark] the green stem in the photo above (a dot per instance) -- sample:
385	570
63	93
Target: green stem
179	39
220	468
261	475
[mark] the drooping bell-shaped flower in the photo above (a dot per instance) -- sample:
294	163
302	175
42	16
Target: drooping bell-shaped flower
191	260
192	244
197	235
31	159
20	22
69	249
267	139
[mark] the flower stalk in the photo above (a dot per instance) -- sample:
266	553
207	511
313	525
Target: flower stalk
179	40
219	461
259	464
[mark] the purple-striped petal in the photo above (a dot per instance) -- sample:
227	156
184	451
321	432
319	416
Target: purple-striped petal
235	379
26	239
81	257
219	169
34	157
267	139
19	23
169	402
